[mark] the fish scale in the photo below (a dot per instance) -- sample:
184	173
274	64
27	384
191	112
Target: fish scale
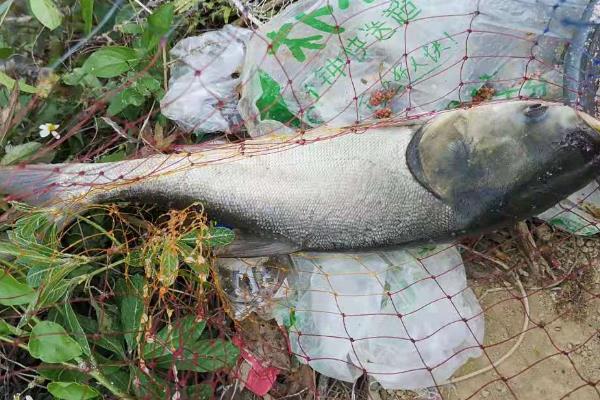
461	172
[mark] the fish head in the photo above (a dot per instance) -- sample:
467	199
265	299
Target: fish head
501	162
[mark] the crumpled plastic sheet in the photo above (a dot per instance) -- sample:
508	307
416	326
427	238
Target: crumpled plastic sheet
203	88
386	313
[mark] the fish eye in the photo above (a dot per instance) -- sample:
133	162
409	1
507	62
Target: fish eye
535	111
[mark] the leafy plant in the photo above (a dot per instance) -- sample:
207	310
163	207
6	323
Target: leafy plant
129	343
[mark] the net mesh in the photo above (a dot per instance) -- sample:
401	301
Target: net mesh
128	300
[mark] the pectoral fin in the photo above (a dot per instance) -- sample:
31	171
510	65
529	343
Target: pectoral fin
257	245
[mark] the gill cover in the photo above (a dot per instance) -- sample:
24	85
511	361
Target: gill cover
504	161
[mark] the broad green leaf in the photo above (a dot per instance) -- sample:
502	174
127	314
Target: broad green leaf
161	20
220	236
50	343
87	14
109	62
20	152
72	391
46	12
13	292
203	356
159	24
131	306
185	330
73	327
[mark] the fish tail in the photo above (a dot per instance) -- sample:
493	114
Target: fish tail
43	184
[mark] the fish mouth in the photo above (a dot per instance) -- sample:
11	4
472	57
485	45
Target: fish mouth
590	121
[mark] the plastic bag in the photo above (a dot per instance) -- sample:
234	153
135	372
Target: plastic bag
253	285
338	62
359	312
579	213
203	93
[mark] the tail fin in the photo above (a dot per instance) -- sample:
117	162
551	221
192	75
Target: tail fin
42	184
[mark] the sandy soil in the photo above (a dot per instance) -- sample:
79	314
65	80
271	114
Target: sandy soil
559	357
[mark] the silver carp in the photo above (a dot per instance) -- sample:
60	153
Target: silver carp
461	172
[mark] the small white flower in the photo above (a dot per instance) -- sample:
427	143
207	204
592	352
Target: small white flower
28	397
49	129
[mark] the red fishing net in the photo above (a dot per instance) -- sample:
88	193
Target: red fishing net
127	299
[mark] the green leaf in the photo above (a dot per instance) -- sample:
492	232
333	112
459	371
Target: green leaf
131	306
159	24
117	104
37	228
132	28
12	292
201	392
109	62
50	343
74	327
220	236
9	82
147	85
72	391
8	329
161	20
125	98
87	14
118	155
132	97
203	356
79	76
109	341
149	387
54	372
18	153
36	275
169	265
5	52
46	12
185	330
226	14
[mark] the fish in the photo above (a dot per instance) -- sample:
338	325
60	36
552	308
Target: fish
382	185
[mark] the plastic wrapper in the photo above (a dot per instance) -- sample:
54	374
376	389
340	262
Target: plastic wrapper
338	62
579	213
392	314
203	88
